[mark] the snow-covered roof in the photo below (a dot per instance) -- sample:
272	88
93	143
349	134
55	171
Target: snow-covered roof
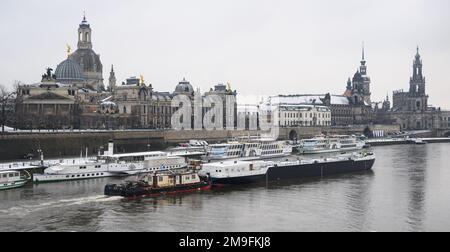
46	84
108	103
339	100
109	98
307	99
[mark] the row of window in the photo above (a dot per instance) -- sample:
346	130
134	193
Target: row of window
271	152
269	147
85	175
11	175
234	153
307	123
186	177
311	115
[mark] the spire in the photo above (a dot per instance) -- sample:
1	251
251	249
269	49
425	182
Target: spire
112	68
84	16
349	84
363	58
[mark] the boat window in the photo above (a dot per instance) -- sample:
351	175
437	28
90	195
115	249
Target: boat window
161	179
11	175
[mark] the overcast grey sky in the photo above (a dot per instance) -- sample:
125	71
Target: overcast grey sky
260	46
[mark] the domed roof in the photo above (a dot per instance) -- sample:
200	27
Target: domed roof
69	71
184	87
88	60
357	77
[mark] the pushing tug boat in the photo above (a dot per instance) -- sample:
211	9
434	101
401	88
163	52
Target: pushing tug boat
159	184
242	172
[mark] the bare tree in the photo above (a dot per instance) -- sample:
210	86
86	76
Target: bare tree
5	97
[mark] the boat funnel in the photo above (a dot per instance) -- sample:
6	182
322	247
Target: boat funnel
111	147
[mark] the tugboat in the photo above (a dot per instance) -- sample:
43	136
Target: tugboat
159	184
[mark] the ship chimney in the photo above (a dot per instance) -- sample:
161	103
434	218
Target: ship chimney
111	147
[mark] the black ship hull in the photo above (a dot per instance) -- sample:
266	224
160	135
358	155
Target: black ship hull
141	191
301	171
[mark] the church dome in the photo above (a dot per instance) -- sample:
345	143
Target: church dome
69	71
88	60
357	77
184	87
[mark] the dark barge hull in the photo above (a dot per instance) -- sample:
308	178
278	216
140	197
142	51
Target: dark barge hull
301	171
142	192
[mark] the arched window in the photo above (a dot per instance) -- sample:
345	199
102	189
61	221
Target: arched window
86	37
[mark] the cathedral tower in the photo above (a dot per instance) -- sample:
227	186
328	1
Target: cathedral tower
417	82
112	80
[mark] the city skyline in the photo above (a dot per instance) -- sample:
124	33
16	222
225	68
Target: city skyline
253	48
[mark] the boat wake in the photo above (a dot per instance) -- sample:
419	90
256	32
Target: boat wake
23	210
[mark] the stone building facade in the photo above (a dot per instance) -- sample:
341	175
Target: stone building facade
74	96
47	104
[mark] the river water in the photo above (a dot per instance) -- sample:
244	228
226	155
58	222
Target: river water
408	190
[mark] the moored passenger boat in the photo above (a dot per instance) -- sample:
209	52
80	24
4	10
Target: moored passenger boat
327	144
249	148
158	184
111	165
13	179
238	172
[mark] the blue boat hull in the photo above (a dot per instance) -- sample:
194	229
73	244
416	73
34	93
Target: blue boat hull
301	171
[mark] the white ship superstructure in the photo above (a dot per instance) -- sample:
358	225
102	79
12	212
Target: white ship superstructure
261	148
110	164
325	144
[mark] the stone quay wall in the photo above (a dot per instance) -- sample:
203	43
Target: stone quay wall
16	146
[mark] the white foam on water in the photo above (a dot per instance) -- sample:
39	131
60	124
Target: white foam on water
23	210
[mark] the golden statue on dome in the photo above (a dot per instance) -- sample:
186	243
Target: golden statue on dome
142	80
69	50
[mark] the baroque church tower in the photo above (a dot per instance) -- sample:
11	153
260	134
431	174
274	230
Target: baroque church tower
417	82
359	87
88	60
112	80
